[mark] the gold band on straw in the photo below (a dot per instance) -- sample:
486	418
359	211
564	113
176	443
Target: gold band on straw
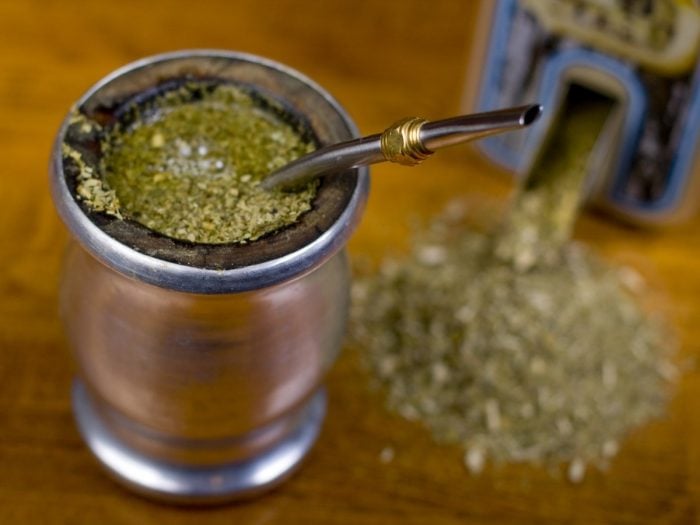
401	142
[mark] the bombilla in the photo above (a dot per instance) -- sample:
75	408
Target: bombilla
408	142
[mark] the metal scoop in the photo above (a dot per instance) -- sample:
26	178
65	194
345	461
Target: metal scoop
408	142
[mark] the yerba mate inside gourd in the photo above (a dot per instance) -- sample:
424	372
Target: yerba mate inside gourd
189	162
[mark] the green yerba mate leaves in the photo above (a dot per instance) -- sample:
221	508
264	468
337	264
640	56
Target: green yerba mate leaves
519	345
189	167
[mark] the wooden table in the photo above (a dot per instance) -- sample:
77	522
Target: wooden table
382	60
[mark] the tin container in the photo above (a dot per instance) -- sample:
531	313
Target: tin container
201	366
648	166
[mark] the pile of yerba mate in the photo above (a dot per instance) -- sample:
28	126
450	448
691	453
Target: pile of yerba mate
518	344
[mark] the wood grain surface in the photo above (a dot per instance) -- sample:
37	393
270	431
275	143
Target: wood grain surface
382	60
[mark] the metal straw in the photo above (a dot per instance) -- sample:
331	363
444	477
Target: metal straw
408	142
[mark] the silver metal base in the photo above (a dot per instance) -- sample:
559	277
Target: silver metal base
185	484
